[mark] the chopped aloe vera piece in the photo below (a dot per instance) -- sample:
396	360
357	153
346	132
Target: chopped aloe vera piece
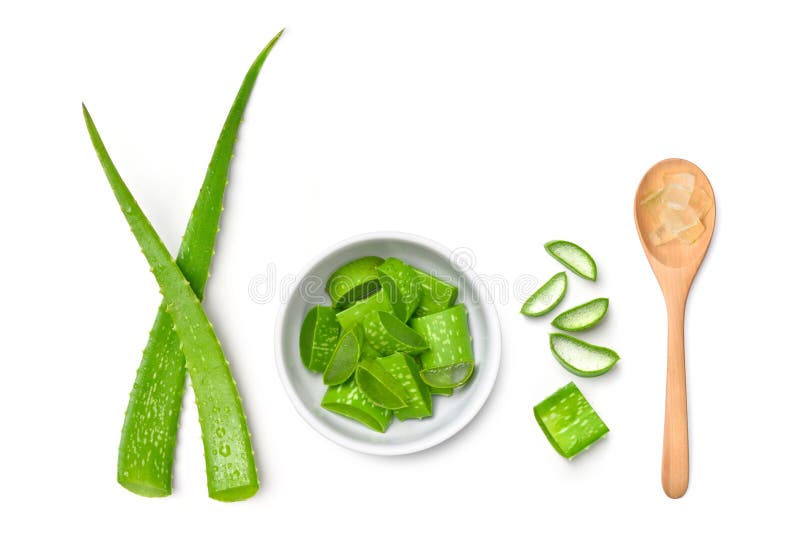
583	316
401	283
546	297
447	336
318	337
356	313
573	257
568	421
437	295
678	189
582	358
700	202
380	386
450	377
367	351
403	368
349	401
354	281
344	358
447	392
388	334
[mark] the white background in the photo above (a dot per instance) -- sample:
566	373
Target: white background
495	127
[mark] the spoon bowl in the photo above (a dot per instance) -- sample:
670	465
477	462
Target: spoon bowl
675	212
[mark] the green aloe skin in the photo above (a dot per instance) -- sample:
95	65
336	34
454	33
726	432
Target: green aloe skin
149	433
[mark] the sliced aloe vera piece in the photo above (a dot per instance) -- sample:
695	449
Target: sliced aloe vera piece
546	297
583	316
441	391
582	358
401	283
344	358
573	257
436	295
347	400
404	369
449	377
388	334
356	313
318	337
447	336
568	421
380	386
354	281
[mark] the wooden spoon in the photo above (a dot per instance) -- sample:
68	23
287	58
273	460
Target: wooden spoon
675	264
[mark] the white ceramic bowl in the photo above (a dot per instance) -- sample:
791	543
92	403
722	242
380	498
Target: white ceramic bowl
451	414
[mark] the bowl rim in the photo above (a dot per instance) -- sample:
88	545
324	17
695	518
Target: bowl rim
490	368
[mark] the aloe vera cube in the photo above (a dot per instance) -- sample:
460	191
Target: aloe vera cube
388	334
568	421
448	338
356	313
349	401
401	283
404	369
318	337
354	281
436	295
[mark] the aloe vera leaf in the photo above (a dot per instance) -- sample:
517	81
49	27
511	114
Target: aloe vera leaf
568	421
583	316
447	336
147	444
230	464
402	285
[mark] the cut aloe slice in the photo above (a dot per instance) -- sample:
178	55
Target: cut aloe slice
447	336
404	369
349	401
582	358
447	392
450	377
354	281
569	421
436	295
583	316
546	297
356	313
401	283
318	336
388	334
379	386
573	257
344	358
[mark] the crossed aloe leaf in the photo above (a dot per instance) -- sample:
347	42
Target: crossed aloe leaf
182	339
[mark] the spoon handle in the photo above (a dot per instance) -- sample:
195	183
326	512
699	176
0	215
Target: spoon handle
675	457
